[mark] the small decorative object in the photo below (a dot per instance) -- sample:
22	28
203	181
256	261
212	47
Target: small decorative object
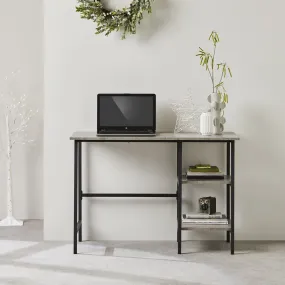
206	124
207	205
219	97
187	115
107	21
17	116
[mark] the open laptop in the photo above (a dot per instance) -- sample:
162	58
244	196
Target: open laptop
126	115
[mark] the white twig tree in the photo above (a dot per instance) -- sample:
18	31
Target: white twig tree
16	116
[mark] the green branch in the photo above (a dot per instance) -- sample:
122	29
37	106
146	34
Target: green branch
125	19
222	68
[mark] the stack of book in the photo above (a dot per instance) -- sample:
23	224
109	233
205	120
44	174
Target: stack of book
204	219
204	171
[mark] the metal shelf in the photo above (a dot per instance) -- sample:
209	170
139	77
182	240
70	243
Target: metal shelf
226	180
186	227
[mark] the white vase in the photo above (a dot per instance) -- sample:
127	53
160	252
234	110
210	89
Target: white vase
206	124
217	107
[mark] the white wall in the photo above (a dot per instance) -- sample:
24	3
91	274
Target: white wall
161	59
21	48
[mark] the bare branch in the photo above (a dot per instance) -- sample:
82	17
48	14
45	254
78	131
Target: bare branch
18	117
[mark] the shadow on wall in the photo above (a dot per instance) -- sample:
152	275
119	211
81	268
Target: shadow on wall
33	184
154	22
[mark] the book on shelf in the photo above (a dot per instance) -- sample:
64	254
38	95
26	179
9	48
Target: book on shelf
204	172
204	176
205	221
203	168
217	215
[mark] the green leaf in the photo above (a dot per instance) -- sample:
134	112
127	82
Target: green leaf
219	85
224	70
210	36
216	39
230	72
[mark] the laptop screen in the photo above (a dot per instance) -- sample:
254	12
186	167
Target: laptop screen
126	111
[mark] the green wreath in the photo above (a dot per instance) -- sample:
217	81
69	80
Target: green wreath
109	21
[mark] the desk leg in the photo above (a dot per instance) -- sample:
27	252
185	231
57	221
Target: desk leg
228	185
179	195
233	197
75	197
80	188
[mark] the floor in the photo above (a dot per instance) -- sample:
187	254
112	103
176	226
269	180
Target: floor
26	259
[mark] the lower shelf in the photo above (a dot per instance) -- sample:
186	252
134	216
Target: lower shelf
226	180
205	227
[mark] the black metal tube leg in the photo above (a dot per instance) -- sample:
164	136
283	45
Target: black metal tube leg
228	186
233	197
80	188
177	208
75	197
179	195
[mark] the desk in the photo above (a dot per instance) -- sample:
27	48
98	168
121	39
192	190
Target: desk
228	139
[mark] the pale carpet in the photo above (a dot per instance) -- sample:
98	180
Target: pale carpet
31	262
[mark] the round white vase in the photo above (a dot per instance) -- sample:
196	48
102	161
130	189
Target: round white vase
206	124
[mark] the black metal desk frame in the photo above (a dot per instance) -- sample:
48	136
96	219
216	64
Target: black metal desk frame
230	187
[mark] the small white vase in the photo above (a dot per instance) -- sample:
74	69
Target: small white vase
206	124
218	120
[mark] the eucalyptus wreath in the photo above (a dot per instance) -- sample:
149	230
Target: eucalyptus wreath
108	21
